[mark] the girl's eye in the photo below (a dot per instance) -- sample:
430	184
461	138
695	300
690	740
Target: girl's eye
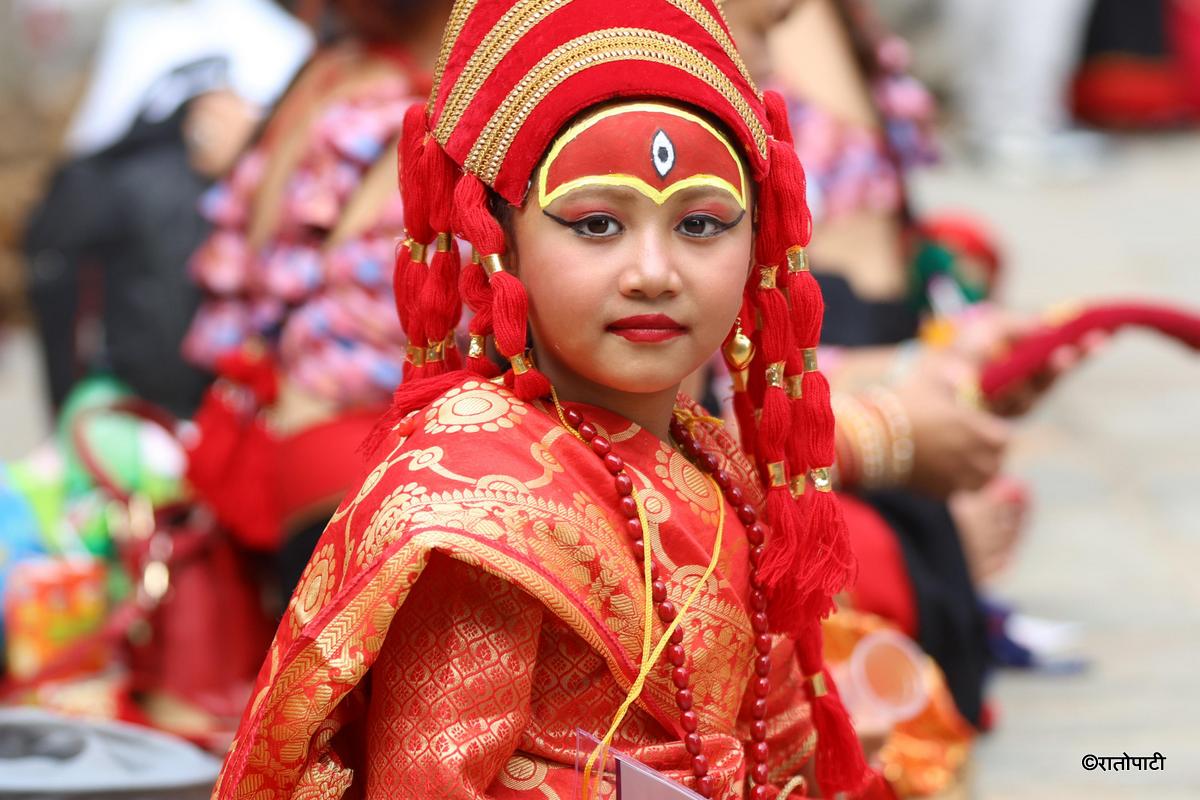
597	226
701	226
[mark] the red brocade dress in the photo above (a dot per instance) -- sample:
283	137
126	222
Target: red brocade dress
476	601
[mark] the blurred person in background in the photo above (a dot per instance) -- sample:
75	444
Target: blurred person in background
904	336
298	317
107	245
1014	62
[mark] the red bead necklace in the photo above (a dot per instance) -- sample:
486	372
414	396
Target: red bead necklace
674	656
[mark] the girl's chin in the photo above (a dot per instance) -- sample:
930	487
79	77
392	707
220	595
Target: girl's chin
648	381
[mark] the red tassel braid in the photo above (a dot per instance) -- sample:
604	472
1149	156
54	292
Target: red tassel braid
510	303
409	273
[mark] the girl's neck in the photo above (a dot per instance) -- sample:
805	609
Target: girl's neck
651	411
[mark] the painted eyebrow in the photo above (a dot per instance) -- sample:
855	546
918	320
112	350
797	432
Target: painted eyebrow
694	193
604	192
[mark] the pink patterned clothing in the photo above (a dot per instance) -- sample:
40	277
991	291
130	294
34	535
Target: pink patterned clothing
851	168
328	311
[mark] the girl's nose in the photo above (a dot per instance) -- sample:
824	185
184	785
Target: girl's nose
651	270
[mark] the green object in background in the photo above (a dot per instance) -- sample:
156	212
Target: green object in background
933	260
93	392
138	456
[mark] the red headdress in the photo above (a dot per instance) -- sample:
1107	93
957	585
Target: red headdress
511	74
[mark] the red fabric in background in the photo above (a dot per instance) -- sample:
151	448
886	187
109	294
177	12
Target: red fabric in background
1032	354
882	586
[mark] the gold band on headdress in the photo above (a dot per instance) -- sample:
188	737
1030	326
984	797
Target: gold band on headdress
796	485
477	347
797	259
810	359
415	355
821	481
777	472
775	374
416	250
766	277
437	351
493	263
520	364
795	386
820	687
443	242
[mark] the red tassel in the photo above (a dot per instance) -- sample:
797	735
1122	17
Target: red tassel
440	301
820	449
473	219
825	534
409	277
407	399
510	315
474	287
777	116
841	765
510	303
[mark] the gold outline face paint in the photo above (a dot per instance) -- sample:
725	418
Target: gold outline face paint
653	148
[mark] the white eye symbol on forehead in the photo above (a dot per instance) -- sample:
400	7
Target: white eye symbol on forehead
662	153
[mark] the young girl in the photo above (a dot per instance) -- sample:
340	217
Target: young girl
572	545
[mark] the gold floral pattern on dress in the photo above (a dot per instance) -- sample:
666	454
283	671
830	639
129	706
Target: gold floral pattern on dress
688	482
389	517
523	773
544	457
430	458
316	587
474	407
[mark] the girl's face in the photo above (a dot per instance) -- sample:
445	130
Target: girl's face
632	286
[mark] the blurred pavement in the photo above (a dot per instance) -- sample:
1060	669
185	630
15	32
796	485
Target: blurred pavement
1113	456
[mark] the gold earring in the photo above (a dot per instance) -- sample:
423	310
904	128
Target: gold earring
738	352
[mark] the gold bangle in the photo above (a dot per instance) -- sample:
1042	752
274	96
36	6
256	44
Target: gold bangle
899	431
867	441
775	374
797	259
777	472
477	347
766	277
443	243
493	263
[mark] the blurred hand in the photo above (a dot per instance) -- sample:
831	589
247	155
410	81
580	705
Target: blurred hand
1021	398
957	445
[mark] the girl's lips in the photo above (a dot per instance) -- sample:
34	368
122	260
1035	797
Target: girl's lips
647	328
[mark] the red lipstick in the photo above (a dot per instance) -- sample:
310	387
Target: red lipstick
647	328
